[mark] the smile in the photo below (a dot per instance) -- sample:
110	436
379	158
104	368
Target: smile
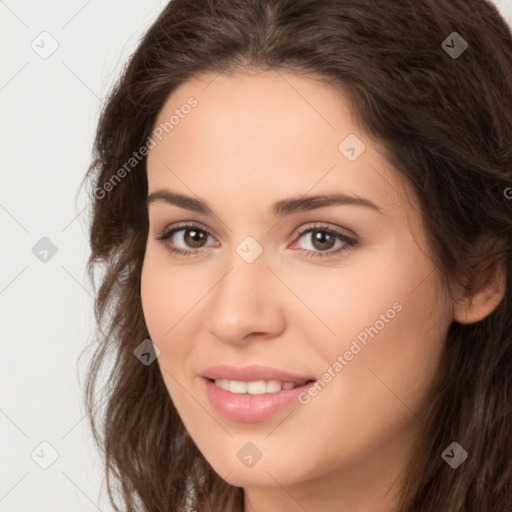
252	401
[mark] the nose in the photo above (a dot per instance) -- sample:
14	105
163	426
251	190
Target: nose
244	305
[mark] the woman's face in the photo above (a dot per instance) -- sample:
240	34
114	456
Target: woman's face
303	262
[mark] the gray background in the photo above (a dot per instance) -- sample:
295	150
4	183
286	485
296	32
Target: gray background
59	59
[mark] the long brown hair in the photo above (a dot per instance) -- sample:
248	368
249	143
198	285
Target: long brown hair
445	123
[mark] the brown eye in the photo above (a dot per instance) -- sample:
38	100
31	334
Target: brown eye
194	238
318	241
188	239
322	240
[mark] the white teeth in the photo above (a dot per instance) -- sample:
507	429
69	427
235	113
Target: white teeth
271	386
237	386
222	383
257	387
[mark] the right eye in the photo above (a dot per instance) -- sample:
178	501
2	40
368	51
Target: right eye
185	239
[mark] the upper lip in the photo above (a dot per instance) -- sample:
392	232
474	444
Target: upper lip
252	373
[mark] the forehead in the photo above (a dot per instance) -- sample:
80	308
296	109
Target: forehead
268	134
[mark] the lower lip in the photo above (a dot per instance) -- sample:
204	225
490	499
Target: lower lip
251	408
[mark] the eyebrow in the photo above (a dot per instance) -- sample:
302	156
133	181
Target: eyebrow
280	208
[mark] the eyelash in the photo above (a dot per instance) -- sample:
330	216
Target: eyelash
349	242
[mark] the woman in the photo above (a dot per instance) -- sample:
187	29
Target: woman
302	211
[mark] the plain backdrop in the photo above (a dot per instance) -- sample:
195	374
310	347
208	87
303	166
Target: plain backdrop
59	60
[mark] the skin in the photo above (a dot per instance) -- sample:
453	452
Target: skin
253	139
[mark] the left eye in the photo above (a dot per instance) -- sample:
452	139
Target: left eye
325	240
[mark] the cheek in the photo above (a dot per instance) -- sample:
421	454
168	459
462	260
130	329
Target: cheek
387	323
167	294
171	298
163	305
406	356
344	302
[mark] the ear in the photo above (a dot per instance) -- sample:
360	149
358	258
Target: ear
482	302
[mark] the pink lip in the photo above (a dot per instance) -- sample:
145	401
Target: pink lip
250	408
252	373
244	406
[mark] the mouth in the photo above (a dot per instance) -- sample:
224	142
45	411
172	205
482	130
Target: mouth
253	393
253	401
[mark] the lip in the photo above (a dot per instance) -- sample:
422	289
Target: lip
244	406
252	373
251	408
